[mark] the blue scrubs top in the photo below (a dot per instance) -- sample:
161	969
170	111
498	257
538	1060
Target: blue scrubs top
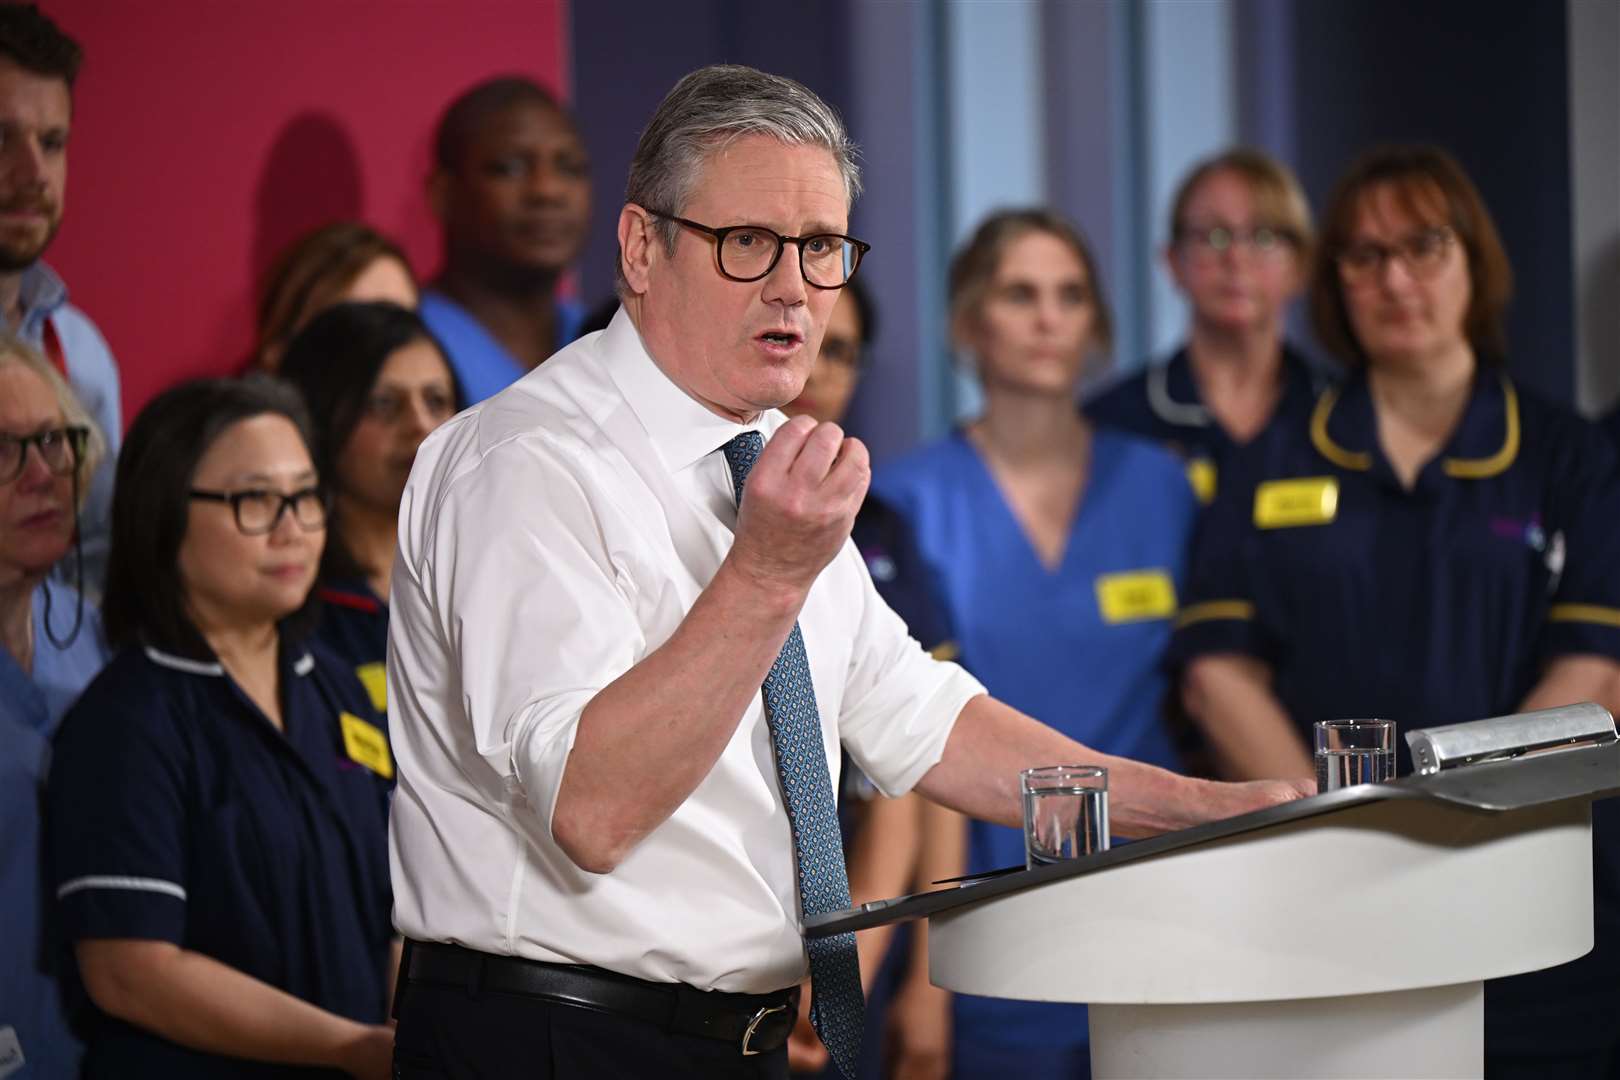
32	1007
354	628
483	365
1079	648
1161	403
1433	606
177	812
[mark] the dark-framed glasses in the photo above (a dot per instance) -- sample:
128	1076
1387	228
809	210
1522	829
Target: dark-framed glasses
258	510
750	252
1216	240
61	449
1423	253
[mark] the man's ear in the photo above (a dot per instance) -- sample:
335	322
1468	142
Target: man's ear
639	246
438	192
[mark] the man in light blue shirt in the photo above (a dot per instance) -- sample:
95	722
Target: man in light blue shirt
511	189
38	64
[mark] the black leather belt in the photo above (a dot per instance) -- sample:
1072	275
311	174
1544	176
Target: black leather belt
756	1023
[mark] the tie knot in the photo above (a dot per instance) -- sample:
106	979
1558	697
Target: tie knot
741	453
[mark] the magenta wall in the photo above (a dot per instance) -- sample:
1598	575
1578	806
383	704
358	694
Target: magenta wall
208	134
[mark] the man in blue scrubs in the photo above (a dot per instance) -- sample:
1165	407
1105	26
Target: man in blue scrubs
511	188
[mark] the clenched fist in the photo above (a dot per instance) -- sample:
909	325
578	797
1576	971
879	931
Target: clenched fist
799	503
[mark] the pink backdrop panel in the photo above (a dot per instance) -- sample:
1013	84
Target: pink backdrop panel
209	134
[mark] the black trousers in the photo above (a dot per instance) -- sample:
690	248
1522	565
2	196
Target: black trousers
447	1032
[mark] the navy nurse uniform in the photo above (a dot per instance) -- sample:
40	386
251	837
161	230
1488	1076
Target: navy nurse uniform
1161	403
1432	606
354	628
177	812
1079	647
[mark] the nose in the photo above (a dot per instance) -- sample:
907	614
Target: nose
785	283
419	418
25	163
36	475
1393	273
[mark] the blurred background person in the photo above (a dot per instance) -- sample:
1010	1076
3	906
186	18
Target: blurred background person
892	846
1454	559
511	189
1240	247
343	261
1060	549
38	66
50	649
217	808
376	383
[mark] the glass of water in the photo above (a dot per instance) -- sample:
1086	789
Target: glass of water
1354	752
1065	812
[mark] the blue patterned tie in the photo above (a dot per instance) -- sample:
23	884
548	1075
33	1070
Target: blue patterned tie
836	1004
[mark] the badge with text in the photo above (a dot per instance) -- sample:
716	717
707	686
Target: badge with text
374	677
366	745
1285	504
1135	596
1201	475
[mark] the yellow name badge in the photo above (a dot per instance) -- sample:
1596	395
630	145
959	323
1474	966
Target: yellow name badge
1284	504
374	677
1135	596
366	745
1201	475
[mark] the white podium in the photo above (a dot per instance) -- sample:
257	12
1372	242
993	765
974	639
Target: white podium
1347	935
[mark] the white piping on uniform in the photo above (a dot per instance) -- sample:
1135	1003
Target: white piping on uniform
1167	408
112	881
180	663
304	665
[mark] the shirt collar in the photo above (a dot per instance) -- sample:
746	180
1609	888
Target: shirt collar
682	431
1344	428
40	293
1173	394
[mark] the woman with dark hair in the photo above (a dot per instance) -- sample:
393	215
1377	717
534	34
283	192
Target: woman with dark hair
1431	544
345	261
217	811
377	383
1058	547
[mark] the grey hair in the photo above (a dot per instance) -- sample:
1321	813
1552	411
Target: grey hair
708	110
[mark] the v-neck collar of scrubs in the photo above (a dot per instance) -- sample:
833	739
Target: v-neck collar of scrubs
1102	446
1344	431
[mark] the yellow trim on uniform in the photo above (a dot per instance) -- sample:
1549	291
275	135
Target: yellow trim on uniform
1480	468
1587	613
1461	468
1354	460
945	650
1210	610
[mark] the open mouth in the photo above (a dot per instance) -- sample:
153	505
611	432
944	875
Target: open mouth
782	339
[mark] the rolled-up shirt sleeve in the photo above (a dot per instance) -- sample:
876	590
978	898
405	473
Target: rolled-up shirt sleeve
532	611
900	704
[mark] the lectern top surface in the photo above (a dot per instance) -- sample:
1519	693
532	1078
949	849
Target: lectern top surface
1588	772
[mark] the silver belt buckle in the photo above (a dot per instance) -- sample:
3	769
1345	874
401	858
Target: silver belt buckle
753	1025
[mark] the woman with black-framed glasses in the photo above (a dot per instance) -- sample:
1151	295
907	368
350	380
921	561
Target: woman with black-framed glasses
1430	543
50	648
218	803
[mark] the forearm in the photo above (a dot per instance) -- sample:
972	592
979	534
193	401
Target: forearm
992	742
1571	679
198	1002
1230	698
647	739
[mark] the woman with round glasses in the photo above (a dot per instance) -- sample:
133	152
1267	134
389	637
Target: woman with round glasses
377	383
1058	548
1432	543
218	803
1240	245
50	649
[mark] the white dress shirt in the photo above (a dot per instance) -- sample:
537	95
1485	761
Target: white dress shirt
550	538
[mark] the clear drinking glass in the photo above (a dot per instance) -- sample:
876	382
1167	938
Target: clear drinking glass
1354	752
1065	812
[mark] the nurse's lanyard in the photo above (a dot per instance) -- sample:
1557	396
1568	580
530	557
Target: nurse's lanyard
53	352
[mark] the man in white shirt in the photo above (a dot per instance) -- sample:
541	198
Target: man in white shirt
605	834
